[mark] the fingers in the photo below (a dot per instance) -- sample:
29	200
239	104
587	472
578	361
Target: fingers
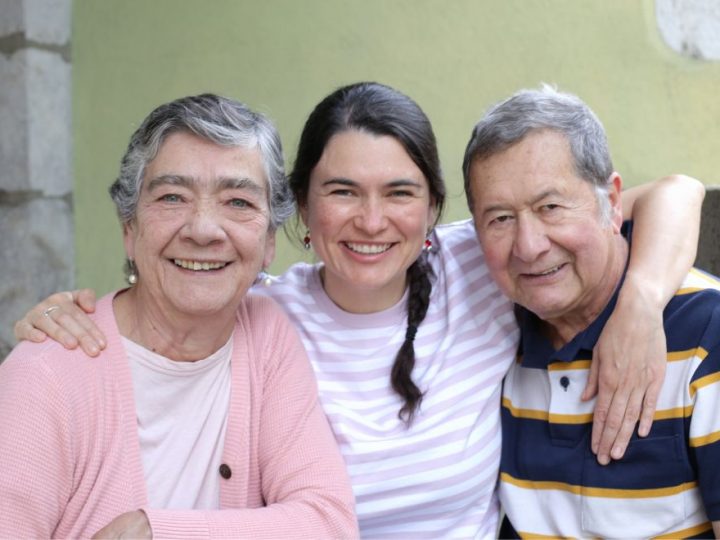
650	402
591	387
62	319
74	327
605	433
23	330
85	298
600	417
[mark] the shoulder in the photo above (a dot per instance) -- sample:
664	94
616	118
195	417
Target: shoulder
262	320
48	366
456	232
296	282
692	318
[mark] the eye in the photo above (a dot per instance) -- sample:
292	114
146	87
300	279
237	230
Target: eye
171	198
549	207
401	193
239	203
500	220
341	192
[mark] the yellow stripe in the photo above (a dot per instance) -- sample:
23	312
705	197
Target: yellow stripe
687	533
678	412
571	418
702	382
524	534
687	355
524	413
566	366
705	439
689	290
607	493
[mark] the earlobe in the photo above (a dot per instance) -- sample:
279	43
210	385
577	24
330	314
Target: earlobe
615	198
129	240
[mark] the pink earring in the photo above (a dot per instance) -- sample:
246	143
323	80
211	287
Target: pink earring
428	245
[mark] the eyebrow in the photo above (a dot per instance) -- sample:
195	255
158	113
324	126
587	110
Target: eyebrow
540	197
393	183
188	181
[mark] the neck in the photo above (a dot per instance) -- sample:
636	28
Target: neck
175	336
356	299
563	329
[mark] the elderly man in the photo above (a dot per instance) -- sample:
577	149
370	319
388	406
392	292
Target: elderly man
546	204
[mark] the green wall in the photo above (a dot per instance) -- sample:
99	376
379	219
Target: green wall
455	57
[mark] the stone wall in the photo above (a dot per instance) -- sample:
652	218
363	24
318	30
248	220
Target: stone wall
36	220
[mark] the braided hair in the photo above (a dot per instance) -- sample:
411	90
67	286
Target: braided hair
380	110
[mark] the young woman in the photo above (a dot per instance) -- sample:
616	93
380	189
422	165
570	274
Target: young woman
408	335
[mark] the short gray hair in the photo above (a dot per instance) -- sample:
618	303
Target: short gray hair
508	121
220	120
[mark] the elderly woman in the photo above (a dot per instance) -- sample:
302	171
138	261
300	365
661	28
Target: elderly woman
201	417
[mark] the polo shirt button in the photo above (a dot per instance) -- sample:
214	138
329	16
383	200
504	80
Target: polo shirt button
225	471
564	382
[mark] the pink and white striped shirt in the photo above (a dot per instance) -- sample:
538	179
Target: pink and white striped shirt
437	478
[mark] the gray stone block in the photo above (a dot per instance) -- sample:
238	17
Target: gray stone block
709	245
44	21
13	17
35	134
36	241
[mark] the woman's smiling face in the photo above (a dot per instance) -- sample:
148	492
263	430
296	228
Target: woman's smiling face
368	209
201	233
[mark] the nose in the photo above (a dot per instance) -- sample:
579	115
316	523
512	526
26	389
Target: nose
372	216
203	225
531	240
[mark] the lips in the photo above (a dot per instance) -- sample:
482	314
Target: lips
367	249
203	266
544	273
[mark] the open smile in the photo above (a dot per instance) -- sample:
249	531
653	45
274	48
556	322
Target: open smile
367	249
203	266
549	272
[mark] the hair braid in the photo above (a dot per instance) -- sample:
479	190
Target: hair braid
419	288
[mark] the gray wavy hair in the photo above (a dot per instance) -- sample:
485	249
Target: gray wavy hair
220	120
508	121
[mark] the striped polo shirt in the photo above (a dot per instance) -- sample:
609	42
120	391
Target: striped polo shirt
438	477
667	485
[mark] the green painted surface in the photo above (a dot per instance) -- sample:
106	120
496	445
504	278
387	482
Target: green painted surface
455	57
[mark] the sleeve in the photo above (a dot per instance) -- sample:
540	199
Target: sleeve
704	435
305	485
35	449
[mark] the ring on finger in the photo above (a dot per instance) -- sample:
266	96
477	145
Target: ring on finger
49	310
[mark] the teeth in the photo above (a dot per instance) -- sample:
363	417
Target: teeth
551	271
368	249
197	265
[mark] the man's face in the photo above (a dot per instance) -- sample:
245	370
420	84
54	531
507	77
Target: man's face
545	241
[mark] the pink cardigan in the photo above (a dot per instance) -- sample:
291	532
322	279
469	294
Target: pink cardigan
70	457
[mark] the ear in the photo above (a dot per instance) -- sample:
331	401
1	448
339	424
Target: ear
303	211
432	213
129	234
614	196
269	249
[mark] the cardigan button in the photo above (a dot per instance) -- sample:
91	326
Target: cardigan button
225	471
